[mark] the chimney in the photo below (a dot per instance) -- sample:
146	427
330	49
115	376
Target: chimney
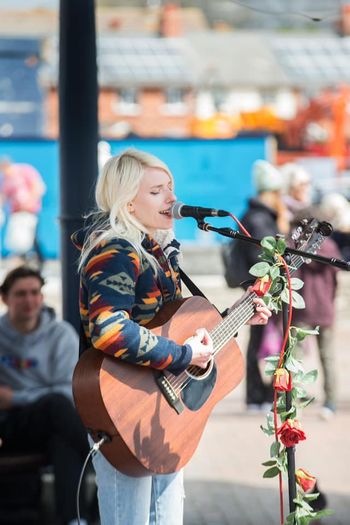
170	24
345	20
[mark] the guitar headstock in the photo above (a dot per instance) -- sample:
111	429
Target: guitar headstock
309	234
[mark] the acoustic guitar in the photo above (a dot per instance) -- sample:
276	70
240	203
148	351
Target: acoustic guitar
154	420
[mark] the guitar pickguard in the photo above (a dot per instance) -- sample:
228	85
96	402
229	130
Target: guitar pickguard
197	391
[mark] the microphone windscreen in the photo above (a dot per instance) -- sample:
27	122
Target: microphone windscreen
175	210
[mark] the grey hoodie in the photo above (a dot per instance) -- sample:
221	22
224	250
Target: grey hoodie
40	362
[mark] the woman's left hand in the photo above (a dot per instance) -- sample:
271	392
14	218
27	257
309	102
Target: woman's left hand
262	313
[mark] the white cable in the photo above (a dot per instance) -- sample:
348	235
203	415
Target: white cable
94	449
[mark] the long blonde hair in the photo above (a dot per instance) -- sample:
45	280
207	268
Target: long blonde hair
117	185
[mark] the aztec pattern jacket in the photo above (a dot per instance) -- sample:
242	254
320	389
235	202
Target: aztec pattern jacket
120	295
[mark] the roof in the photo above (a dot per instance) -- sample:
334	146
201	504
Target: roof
146	62
263	58
317	61
241	59
136	62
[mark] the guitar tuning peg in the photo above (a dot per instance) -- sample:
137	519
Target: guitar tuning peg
325	228
296	233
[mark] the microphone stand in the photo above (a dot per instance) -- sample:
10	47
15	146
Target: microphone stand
292	491
338	263
233	234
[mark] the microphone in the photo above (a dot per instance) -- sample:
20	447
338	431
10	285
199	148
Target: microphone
180	210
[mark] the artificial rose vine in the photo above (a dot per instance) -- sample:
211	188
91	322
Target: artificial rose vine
288	375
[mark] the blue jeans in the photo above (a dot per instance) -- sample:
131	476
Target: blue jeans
151	500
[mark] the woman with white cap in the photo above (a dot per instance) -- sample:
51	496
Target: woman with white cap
298	188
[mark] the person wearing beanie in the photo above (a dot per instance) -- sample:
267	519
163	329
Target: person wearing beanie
265	215
266	177
269	183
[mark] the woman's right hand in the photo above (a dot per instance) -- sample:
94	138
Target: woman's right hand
202	348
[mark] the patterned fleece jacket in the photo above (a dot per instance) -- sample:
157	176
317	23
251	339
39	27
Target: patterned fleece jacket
120	295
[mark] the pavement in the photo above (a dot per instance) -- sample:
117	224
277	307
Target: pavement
223	480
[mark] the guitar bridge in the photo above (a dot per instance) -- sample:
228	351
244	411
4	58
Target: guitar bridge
168	392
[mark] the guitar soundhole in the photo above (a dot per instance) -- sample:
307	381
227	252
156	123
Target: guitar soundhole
198	373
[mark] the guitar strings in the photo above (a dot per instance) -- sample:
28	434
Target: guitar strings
223	328
177	382
224	331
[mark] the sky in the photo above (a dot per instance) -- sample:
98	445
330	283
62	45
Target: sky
6	4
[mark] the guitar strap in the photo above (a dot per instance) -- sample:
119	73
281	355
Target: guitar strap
190	284
195	290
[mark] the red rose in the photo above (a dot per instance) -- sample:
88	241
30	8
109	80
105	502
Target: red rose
282	380
290	433
262	285
305	480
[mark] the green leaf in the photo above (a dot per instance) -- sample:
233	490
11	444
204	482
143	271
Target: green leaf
271	472
304	505
296	283
300	392
269	243
268	256
277	285
275	449
310	377
285	295
268	431
323	513
272	359
269	370
305	403
274	272
269	463
290	520
311	496
302	520
259	269
301	333
297	300
286	414
293	365
281	246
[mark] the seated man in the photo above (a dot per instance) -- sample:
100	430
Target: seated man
37	358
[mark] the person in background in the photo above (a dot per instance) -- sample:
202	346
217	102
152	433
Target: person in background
129	270
37	358
266	215
319	293
297	195
320	280
335	208
22	189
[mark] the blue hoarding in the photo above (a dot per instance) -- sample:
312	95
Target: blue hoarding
212	173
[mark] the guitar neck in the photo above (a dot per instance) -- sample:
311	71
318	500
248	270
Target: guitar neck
233	322
244	311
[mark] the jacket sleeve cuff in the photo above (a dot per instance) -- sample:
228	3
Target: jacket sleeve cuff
183	361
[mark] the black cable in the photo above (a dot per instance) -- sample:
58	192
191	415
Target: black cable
94	449
333	13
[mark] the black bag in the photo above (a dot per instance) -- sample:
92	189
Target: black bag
235	266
